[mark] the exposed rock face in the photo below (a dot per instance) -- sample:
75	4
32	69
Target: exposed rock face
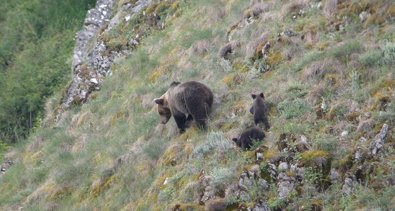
92	59
378	143
96	18
6	164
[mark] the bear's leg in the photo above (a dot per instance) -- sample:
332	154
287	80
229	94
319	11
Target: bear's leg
200	119
199	113
190	118
257	120
180	119
244	145
252	110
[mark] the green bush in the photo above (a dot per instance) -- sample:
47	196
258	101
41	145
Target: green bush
345	50
388	53
371	58
293	108
215	141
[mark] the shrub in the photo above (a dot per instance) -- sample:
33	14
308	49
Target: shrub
221	177
214	141
343	51
388	53
293	108
308	59
371	58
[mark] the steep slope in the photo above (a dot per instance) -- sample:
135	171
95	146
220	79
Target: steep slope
36	40
327	71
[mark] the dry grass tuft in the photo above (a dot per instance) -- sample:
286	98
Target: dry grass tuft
330	8
319	69
293	8
252	46
201	47
256	9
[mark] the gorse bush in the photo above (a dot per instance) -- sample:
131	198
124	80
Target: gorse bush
36	42
215	141
293	108
388	53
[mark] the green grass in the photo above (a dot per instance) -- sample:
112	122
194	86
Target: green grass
112	154
36	44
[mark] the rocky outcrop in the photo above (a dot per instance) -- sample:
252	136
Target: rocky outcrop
6	165
95	20
92	59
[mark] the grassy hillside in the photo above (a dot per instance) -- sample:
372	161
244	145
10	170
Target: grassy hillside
36	41
328	78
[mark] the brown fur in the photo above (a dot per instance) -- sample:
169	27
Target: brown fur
248	136
215	205
259	110
187	101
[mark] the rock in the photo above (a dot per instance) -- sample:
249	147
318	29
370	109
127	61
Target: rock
348	186
94	81
324	106
358	155
6	165
363	16
344	133
289	33
206	187
166	181
285	185
302	145
254	170
259	153
378	142
93	52
259	156
272	171
261	206
283	166
362	140
334	176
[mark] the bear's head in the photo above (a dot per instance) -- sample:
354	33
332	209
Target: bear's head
163	104
163	109
261	95
237	141
256	97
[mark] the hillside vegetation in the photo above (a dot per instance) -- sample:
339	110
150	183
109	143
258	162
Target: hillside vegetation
326	69
36	41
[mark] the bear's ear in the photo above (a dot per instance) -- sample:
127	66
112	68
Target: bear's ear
159	101
262	95
253	96
174	83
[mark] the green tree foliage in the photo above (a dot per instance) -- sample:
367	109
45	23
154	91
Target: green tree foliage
36	41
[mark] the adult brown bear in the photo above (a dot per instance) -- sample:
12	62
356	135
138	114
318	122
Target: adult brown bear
185	101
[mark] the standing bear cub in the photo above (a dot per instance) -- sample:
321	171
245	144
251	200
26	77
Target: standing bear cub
248	137
185	101
259	110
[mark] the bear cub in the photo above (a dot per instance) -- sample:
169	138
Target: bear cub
248	137
259	110
185	102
